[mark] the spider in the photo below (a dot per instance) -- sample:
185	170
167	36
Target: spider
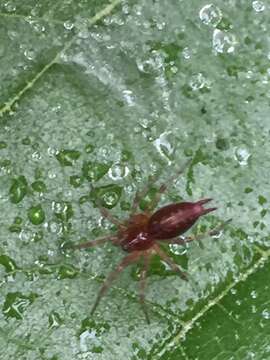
141	234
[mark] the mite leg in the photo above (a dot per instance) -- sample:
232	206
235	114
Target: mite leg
161	190
163	187
96	242
106	213
141	194
143	286
170	262
129	259
211	232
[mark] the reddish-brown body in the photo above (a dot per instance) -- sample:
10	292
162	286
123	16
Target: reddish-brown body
166	223
142	234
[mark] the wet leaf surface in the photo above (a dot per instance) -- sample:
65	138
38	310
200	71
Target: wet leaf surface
96	97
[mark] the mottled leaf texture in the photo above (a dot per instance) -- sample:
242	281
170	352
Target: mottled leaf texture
96	99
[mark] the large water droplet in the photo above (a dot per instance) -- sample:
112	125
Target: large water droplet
36	215
210	14
258	6
223	42
68	25
241	155
118	171
266	314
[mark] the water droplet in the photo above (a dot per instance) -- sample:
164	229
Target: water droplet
36	155
67	157
18	189
16	303
223	42
51	174
54	320
67	272
54	227
118	171
68	25
253	294
258	6
37	26
178	249
163	145
266	314
129	97
26	235
210	14
36	215
241	155
150	64
39	186
29	54
93	171
186	53
233	291
9	6
197	81
59	207
253	309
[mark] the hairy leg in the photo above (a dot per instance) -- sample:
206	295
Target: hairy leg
96	242
170	262
211	232
143	286
106	213
162	188
129	259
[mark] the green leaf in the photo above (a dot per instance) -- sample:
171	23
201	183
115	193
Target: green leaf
97	97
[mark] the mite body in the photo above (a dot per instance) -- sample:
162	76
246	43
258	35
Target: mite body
142	234
166	223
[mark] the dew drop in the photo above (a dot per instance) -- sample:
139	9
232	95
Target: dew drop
253	294
51	174
26	235
36	155
59	207
68	25
197	81
150	64
36	215
186	53
54	320
223	42
241	155
16	304
118	171
129	97
266	314
178	249
9	6
258	6
253	309
29	54
18	189
210	14
54	227
37	26
163	145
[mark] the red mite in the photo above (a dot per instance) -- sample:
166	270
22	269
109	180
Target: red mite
141	234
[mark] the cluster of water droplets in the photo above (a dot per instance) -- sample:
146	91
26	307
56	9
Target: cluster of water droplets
222	41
